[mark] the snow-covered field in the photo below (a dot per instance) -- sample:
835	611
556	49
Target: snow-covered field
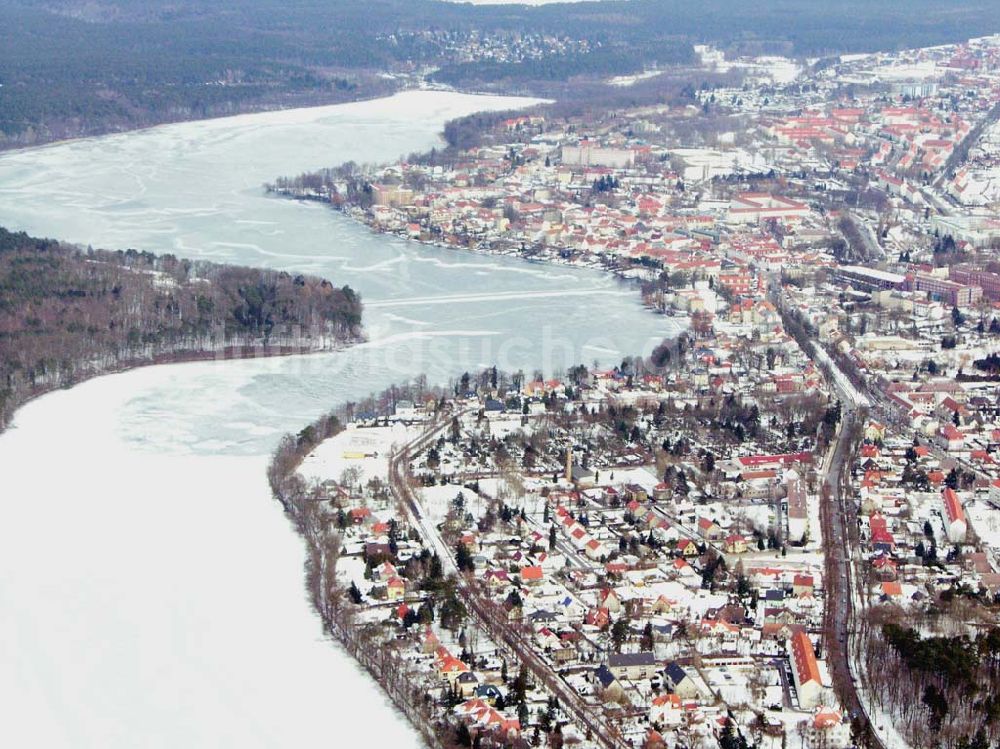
364	450
779	70
641	476
437	500
706	163
918	70
631	80
985	521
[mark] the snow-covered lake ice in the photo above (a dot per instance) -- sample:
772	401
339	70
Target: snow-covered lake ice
151	592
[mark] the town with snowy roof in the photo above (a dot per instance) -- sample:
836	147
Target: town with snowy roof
750	533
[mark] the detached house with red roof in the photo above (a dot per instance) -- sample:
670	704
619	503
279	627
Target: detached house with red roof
686	548
448	666
608	599
709	529
667	710
598	617
486	718
881	538
595	550
950	438
360	515
532	575
885	567
829	730
395	588
802	585
735	544
892	590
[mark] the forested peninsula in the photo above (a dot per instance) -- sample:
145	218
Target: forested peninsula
67	314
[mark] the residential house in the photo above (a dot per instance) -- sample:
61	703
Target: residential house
680	682
395	588
667	710
632	666
709	529
735	544
607	683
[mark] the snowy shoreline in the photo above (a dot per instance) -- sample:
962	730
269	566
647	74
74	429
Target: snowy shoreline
272	116
486	249
292	489
135	617
263	350
112	132
156	574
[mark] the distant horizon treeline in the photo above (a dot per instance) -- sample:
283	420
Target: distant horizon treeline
67	314
70	68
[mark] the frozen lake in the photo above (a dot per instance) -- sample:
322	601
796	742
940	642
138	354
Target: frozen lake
152	590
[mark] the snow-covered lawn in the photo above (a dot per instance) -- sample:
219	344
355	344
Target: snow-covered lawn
437	500
365	449
985	521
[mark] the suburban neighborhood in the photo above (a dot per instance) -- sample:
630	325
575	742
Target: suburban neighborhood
755	533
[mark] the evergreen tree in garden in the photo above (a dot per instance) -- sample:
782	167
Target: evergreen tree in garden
619	632
435	571
520	685
730	738
354	593
463	558
410	618
647	636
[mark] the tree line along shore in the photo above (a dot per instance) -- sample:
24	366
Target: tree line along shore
68	314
